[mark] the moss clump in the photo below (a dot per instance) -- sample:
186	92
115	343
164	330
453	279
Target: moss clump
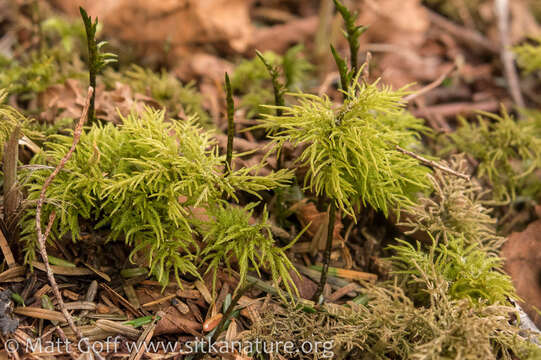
252	80
34	75
508	150
464	249
33	72
455	208
234	235
350	153
148	182
529	56
391	326
469	272
178	99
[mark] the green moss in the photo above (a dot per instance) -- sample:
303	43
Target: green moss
468	272
252	80
55	62
234	235
178	99
32	76
146	181
508	150
350	153
529	56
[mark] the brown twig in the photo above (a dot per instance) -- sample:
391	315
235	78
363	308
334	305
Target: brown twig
63	337
42	237
502	13
433	163
458	108
431	86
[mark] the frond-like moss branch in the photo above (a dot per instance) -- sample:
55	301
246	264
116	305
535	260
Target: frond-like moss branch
233	235
465	270
350	151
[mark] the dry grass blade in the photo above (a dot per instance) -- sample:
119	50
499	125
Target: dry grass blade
119	298
200	285
11	273
6	250
80	305
63	270
118	328
159	301
101	274
39	313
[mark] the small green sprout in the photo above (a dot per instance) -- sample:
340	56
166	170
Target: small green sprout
351	33
96	59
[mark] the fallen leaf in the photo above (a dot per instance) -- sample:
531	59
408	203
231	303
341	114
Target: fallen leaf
522	254
307	213
307	288
175	323
183	24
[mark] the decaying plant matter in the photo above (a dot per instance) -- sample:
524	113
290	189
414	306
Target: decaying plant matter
391	326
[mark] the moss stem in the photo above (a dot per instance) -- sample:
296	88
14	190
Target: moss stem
326	255
230	125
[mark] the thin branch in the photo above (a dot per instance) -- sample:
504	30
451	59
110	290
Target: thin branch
42	237
502	13
433	163
430	86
